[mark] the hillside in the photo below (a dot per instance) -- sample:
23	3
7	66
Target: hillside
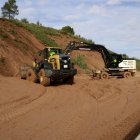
19	41
89	109
17	46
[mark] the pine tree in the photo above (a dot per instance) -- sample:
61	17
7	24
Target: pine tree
10	9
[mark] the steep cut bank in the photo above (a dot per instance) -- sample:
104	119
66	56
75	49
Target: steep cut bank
93	59
19	41
17	46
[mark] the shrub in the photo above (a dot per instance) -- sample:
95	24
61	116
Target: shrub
82	39
25	20
68	30
138	64
80	61
40	32
38	23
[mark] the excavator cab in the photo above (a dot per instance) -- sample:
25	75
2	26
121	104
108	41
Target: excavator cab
115	60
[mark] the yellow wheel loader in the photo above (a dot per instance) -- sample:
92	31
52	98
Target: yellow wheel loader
50	64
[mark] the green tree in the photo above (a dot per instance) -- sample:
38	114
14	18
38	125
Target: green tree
38	23
68	29
125	56
10	9
25	20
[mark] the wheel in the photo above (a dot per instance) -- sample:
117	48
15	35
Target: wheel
45	81
96	76
104	75
31	76
126	74
69	80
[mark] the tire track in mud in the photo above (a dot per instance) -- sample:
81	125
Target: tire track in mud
20	106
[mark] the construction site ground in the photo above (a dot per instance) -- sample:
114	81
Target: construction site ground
87	110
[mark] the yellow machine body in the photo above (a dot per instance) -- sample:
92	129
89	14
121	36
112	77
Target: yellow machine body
55	61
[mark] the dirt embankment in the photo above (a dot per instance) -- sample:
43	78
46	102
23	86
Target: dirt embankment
89	109
17	46
93	59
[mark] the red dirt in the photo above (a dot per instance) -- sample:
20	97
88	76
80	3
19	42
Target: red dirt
17	47
63	40
89	109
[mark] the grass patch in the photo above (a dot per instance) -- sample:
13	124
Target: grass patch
138	64
80	61
82	39
40	32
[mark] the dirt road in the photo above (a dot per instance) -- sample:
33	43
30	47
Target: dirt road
87	110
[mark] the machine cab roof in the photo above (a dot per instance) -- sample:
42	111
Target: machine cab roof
45	53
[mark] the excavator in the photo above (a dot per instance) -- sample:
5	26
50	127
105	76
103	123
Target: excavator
115	64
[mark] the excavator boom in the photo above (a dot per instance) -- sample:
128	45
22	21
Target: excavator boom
107	57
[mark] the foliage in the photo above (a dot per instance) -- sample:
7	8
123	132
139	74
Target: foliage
25	20
80	61
38	23
68	30
138	64
82	39
125	56
40	32
10	9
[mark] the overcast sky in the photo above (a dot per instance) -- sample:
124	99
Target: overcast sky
113	23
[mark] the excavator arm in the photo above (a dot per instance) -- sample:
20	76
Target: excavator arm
90	47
